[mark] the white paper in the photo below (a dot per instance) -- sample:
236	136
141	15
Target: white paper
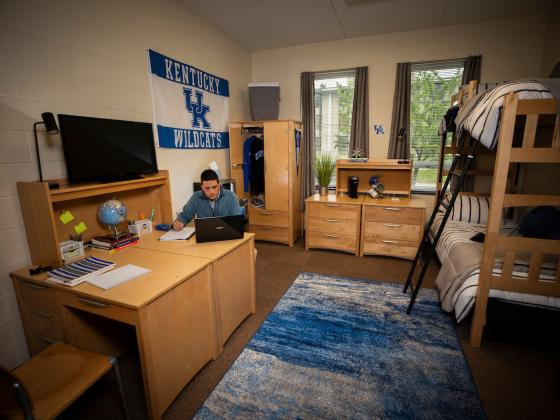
117	276
177	235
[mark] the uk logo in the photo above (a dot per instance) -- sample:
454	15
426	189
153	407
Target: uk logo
198	109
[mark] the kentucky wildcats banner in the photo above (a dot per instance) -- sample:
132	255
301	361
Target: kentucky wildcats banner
190	106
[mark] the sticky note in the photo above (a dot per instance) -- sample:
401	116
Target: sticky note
80	228
66	217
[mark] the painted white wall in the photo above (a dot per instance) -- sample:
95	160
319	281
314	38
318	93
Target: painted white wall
510	49
89	58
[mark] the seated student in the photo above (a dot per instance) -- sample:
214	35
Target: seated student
212	201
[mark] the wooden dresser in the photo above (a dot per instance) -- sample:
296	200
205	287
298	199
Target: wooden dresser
392	227
333	222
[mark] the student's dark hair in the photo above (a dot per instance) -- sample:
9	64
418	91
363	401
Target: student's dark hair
209	175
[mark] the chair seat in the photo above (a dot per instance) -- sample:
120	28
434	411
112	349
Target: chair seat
59	375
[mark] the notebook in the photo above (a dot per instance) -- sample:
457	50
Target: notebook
117	276
79	271
210	229
177	235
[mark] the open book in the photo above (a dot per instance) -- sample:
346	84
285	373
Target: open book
79	271
177	235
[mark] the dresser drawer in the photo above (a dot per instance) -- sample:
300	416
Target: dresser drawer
332	225
99	307
269	218
331	241
270	233
333	210
392	248
44	322
392	231
38	295
395	214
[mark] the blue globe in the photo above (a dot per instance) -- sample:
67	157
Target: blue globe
112	213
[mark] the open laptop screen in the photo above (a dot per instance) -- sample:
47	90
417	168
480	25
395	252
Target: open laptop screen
210	229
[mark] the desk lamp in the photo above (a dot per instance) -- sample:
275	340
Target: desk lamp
52	129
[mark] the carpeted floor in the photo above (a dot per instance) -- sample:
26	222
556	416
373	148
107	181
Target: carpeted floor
337	347
516	379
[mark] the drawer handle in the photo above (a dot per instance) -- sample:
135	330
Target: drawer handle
332	220
93	303
328	235
389	242
332	205
263	227
45	339
265	213
35	286
392	208
39	312
391	225
237	165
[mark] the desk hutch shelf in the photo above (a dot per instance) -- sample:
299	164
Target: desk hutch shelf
396	177
41	209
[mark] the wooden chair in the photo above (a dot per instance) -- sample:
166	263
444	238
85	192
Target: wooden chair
48	383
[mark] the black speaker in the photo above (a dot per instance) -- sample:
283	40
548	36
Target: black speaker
353	182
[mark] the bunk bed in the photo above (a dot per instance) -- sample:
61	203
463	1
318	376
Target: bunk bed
506	265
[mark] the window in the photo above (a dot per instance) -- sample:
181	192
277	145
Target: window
432	85
334	94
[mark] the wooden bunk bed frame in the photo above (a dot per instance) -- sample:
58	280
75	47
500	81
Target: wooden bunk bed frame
509	246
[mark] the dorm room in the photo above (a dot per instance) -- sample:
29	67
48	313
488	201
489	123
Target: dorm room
303	313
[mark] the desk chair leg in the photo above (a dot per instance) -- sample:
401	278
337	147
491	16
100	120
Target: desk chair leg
24	402
113	361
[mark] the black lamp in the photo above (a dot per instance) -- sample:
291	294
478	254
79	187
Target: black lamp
400	138
52	129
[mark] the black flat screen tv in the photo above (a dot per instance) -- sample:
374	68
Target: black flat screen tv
104	150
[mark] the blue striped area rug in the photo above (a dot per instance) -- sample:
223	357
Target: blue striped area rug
336	347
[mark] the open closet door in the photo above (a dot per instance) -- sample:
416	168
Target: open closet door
276	170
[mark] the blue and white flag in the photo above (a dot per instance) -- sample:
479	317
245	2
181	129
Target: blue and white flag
191	107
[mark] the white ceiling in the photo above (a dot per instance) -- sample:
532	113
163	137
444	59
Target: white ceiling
267	24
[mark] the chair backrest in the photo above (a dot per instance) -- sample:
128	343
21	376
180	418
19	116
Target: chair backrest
13	396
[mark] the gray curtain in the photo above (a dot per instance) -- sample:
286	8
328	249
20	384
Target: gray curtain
308	150
399	146
473	64
359	133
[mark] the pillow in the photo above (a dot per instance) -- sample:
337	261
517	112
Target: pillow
541	222
468	208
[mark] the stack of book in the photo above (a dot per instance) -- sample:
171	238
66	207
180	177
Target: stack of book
111	243
80	271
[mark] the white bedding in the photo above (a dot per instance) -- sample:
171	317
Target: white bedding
458	294
482	121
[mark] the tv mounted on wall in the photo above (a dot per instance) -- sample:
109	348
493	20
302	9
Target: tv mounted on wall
104	150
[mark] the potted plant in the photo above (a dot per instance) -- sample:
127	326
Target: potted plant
324	171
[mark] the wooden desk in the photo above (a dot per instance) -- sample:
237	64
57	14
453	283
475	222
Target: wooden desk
233	274
172	310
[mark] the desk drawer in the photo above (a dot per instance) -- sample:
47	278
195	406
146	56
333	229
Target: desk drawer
270	233
38	295
392	231
395	214
332	225
333	210
391	248
44	322
98	307
331	241
269	218
38	342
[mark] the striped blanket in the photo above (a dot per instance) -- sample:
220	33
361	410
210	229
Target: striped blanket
460	258
480	117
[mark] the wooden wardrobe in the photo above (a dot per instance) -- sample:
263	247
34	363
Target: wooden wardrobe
280	220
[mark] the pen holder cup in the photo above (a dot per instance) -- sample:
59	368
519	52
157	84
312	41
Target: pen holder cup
141	227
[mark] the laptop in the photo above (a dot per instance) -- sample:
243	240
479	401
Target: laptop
210	229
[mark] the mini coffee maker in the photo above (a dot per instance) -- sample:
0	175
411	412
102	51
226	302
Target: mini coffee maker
353	182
